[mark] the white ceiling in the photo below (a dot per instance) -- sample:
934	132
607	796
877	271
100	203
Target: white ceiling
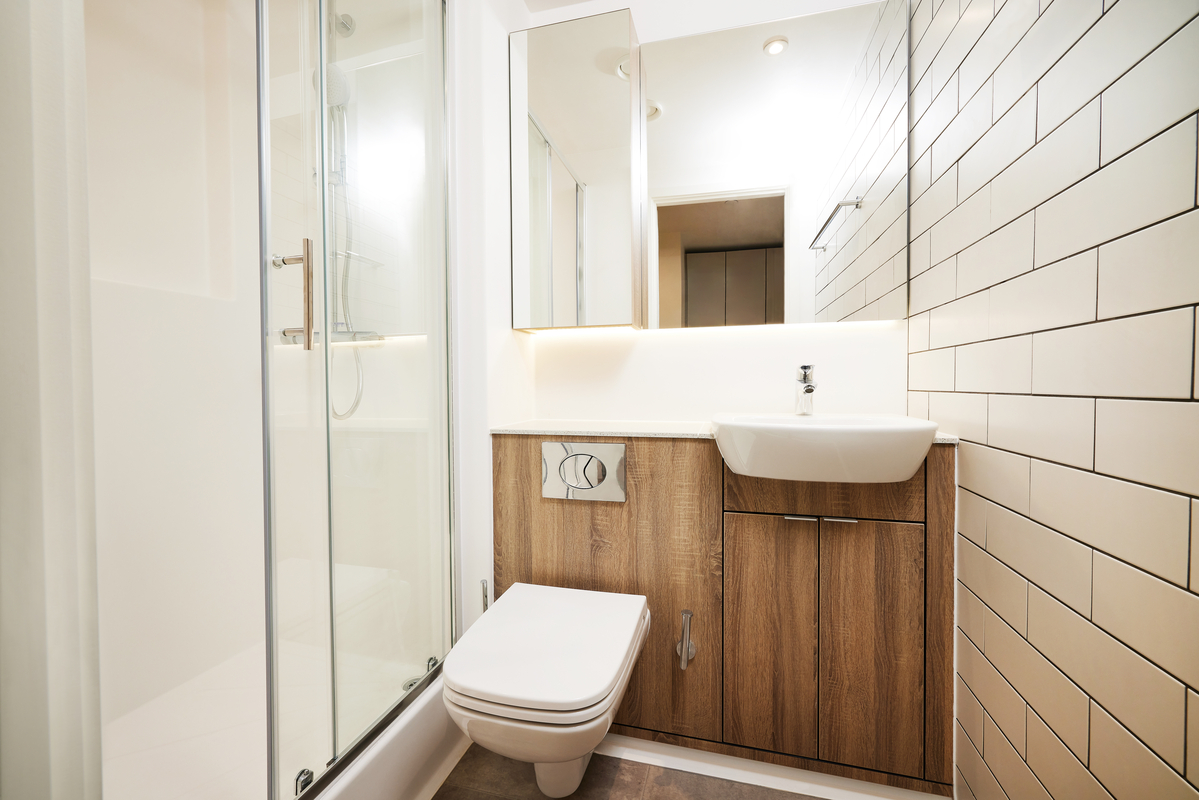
735	117
655	20
573	88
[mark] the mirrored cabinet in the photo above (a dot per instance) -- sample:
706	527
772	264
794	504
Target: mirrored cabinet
577	192
632	163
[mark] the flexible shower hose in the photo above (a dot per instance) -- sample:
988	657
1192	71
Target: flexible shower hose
339	190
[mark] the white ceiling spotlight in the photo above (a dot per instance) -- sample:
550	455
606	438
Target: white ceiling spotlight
775	45
653	110
622	69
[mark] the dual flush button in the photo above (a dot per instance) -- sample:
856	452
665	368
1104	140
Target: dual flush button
583	471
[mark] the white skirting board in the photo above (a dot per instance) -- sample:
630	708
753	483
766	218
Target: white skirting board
408	761
757	773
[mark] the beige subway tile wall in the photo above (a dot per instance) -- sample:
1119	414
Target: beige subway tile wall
972	616
1055	255
969	712
1060	771
977	780
999	700
1043	686
1013	775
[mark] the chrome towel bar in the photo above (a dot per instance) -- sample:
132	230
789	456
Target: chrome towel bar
856	203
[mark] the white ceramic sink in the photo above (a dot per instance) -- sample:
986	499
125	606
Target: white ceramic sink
849	448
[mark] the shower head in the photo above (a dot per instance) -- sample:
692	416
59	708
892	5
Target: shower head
337	86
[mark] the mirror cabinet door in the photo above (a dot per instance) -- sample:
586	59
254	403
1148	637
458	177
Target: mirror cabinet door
577	192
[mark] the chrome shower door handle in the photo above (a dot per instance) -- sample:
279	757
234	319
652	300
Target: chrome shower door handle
305	260
685	647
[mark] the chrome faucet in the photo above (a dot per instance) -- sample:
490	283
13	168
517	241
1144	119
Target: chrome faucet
805	386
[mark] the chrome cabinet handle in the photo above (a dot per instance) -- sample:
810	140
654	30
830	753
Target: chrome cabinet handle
685	647
304	259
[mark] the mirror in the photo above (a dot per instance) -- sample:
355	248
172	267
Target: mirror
777	171
578	208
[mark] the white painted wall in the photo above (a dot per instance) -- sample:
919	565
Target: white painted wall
492	364
693	373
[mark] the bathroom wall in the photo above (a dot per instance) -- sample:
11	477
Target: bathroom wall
693	373
173	212
1056	254
49	663
492	365
862	272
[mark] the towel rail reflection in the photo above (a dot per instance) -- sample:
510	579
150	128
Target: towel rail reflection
815	245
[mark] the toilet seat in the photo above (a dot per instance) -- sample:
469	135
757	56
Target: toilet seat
540	676
570	717
547	649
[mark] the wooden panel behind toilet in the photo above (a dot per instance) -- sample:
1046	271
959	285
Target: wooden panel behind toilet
663	542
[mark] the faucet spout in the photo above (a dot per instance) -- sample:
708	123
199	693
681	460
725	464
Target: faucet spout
805	387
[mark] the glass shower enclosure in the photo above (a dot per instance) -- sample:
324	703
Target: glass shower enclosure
356	368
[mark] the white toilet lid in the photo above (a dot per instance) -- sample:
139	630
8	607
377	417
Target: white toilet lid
546	647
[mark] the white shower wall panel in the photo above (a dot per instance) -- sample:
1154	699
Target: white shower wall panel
173	208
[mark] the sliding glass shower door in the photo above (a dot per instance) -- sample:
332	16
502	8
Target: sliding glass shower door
356	356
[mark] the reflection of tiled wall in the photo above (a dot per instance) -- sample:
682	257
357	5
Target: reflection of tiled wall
862	273
1056	261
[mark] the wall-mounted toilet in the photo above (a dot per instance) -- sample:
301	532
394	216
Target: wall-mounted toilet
540	676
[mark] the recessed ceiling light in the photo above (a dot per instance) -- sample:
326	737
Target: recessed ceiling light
653	110
622	69
774	45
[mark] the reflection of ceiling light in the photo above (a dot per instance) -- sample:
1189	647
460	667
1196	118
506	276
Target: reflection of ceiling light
775	45
622	69
653	110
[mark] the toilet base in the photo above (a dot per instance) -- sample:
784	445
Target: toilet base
561	779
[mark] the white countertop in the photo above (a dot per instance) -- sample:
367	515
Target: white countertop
650	428
665	429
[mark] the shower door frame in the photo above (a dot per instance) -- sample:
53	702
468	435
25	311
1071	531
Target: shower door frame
340	761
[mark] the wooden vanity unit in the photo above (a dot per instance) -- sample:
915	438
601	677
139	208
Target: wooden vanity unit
822	612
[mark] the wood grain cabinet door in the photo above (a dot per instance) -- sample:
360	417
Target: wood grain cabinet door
872	645
770	633
663	542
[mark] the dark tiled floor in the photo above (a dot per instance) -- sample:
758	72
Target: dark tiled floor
482	775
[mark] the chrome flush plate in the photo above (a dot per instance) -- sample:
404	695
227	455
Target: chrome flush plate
583	471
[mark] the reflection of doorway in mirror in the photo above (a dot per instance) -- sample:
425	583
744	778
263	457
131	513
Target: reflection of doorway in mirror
720	262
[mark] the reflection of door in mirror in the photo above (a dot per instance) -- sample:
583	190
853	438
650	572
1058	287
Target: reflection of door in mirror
806	111
556	223
721	263
737	287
